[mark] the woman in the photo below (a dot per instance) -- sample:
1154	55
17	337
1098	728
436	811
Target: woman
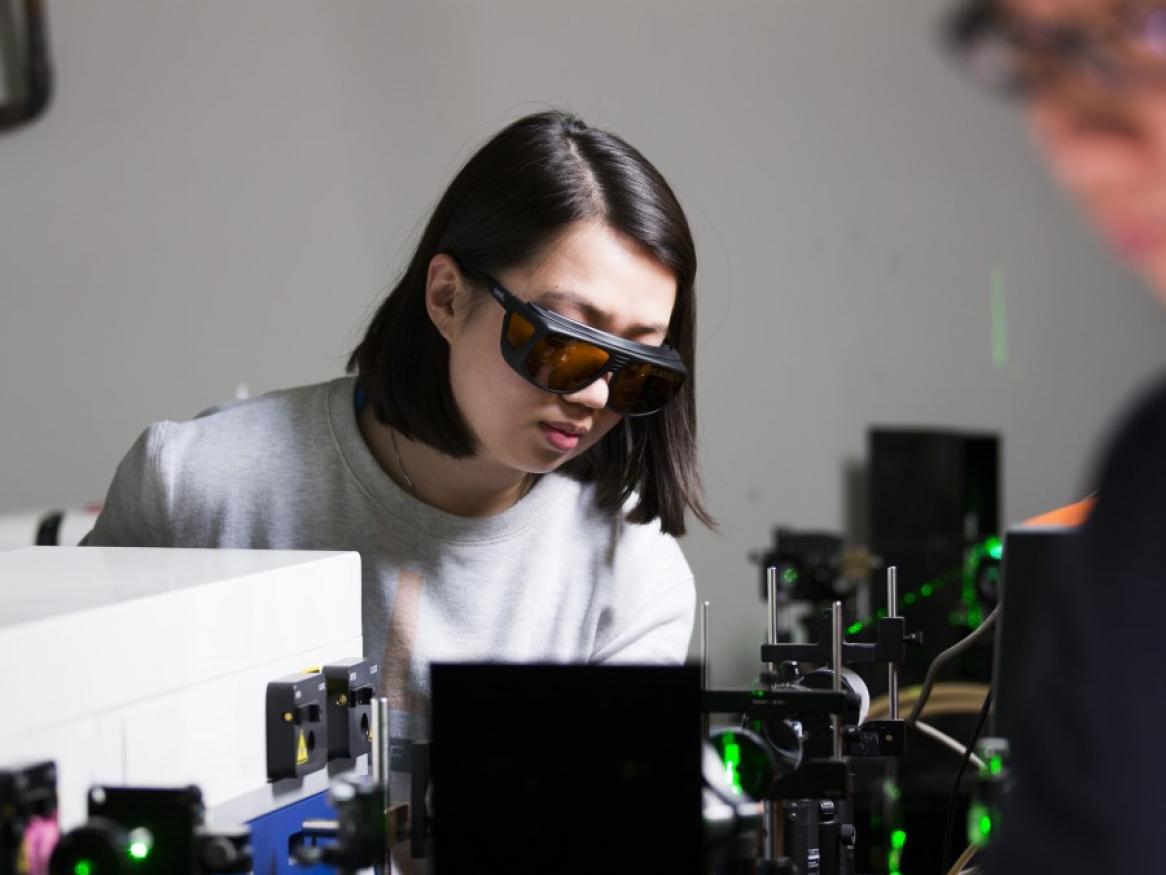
517	448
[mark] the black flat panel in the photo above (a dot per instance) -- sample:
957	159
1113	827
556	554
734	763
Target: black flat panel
1035	560
566	769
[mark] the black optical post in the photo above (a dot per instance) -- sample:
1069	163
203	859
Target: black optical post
24	62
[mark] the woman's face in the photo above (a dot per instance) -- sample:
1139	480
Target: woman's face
590	274
1106	144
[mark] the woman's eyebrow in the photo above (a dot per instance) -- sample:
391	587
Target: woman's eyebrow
595	316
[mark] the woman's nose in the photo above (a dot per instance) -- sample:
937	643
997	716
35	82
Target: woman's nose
593	395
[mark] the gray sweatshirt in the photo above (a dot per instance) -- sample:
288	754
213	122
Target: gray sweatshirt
550	579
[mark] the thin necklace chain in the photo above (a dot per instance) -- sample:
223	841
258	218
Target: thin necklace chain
525	487
401	464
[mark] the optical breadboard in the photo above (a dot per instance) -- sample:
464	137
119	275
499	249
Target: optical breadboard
149	667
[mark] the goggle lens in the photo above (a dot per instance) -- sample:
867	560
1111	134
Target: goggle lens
518	331
641	388
563	364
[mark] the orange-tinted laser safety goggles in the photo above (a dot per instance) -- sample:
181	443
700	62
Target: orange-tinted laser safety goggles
563	356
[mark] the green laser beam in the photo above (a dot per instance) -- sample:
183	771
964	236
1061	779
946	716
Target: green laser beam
999	320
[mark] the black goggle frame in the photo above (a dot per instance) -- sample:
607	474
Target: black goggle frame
621	351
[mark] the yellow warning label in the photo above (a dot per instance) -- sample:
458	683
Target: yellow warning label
301	749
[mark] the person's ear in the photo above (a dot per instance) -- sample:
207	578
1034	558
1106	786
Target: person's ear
446	295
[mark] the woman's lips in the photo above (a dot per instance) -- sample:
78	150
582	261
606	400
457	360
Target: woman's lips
559	437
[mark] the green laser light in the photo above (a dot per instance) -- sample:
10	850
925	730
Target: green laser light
141	843
83	867
733	763
898	839
927	589
995	547
979	824
996	765
789	575
975	616
999	320
733	778
854	628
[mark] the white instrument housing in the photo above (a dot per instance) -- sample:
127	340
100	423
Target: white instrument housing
149	667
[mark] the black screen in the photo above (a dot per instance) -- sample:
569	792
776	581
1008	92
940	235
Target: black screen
566	768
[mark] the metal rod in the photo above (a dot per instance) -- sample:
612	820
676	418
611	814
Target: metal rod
705	665
771	587
379	765
379	735
773	809
836	665
774	830
893	668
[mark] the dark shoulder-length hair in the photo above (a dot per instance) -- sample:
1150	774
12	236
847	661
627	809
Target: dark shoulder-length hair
520	190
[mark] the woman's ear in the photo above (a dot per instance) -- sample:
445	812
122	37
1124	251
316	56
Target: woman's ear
445	295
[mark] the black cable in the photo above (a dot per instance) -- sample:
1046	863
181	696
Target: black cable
946	657
955	790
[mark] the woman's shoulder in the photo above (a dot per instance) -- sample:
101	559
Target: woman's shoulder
245	435
280	405
180	474
266	417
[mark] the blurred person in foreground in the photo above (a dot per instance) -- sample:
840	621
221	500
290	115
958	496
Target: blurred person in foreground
1090	76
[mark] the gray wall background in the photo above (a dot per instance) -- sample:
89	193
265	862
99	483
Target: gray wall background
222	191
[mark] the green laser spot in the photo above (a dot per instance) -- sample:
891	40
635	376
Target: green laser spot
994	547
